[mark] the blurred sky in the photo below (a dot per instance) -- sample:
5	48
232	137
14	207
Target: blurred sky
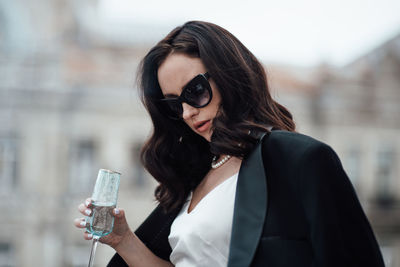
302	32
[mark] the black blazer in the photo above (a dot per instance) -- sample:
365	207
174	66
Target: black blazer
294	207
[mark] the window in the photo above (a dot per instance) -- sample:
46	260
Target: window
82	166
8	164
385	175
353	165
139	178
7	258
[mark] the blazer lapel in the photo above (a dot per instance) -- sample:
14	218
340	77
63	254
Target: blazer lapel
249	211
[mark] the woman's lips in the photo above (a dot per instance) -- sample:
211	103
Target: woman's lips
203	126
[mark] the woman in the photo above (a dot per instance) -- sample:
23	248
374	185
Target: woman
237	185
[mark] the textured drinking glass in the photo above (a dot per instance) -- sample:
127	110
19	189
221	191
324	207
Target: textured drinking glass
104	200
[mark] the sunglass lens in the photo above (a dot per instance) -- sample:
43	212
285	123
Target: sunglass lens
198	95
175	108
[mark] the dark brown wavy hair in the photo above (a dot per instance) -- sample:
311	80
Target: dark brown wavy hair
177	157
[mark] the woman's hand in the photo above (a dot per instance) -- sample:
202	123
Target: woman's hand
133	251
120	231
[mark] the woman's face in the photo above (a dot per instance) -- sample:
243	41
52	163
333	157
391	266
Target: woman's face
173	74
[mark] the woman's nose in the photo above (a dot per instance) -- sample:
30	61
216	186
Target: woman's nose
188	111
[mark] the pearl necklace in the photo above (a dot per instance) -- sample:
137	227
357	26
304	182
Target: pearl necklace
215	165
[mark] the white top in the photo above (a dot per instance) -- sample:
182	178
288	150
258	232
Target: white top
201	238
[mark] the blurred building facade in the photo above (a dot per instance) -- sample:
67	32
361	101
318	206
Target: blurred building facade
68	106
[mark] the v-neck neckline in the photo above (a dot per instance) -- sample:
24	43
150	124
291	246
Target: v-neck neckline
189	201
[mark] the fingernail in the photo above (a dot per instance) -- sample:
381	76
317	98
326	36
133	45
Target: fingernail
90	235
87	203
83	223
87	212
116	211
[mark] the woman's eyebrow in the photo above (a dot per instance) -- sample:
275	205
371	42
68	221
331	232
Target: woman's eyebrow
175	95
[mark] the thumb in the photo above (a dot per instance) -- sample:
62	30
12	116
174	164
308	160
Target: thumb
119	215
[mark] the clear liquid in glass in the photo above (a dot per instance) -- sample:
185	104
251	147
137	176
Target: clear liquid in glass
101	222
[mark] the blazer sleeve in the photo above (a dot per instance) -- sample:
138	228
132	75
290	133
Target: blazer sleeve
339	230
153	232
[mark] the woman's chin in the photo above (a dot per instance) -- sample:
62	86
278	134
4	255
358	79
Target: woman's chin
208	136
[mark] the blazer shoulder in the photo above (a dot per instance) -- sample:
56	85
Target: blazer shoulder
293	143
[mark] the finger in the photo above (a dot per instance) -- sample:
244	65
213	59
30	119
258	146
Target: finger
87	236
117	212
84	210
119	217
80	222
88	202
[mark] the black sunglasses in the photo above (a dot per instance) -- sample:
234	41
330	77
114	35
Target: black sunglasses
196	93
